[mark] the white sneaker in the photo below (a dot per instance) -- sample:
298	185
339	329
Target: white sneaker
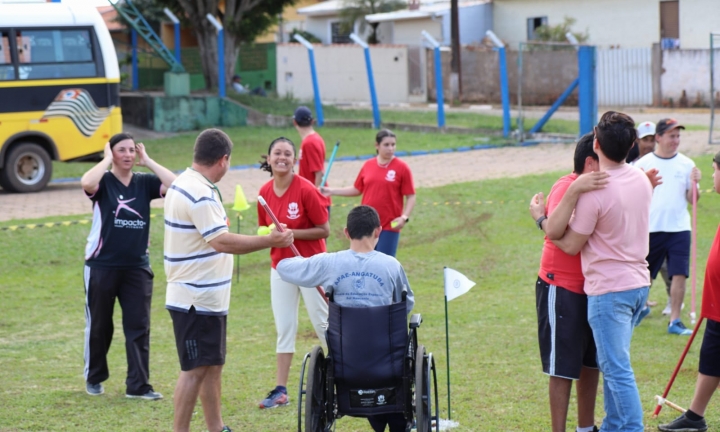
668	310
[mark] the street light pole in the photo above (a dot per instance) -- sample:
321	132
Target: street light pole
455	76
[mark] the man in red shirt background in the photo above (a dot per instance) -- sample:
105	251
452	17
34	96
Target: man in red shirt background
312	149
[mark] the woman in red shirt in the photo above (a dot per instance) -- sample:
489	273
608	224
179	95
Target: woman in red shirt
383	182
298	204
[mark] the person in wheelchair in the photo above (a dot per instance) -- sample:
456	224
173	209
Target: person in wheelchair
360	277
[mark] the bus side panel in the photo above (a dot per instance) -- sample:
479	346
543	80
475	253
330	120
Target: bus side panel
80	118
12	124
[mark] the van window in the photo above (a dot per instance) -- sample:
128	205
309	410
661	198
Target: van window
7	70
46	54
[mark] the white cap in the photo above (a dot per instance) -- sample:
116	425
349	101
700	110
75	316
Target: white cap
645	128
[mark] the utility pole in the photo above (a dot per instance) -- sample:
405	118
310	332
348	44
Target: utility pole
455	78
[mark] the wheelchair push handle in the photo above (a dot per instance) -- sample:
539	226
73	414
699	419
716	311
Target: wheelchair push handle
280	228
415	320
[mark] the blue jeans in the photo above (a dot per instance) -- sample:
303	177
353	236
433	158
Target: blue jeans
388	242
612	317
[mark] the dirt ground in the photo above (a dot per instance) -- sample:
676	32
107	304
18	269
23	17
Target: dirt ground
67	199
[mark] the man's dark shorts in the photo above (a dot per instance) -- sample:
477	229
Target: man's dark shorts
675	246
200	339
566	340
710	350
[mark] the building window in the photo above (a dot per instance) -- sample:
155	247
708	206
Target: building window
7	70
337	36
532	25
55	54
669	24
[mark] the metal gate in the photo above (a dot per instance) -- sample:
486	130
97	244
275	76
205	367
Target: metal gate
624	77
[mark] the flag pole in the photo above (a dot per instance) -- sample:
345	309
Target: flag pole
459	286
237	257
447	346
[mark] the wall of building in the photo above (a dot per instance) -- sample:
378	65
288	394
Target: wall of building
346	80
697	19
686	77
256	66
609	22
408	32
474	22
318	27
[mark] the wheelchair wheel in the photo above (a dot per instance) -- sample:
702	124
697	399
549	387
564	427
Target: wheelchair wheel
423	404
433	391
315	406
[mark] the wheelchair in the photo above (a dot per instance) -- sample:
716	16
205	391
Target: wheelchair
374	365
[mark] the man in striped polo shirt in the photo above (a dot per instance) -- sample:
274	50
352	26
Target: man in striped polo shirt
199	266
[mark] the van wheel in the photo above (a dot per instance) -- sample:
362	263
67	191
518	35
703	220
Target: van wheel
27	169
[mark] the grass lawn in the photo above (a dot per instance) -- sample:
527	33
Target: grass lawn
481	229
250	142
473	120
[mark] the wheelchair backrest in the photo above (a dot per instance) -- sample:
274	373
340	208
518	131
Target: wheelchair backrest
368	345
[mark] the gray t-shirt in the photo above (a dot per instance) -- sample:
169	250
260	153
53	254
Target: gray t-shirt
358	279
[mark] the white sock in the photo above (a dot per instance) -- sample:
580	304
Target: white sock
585	429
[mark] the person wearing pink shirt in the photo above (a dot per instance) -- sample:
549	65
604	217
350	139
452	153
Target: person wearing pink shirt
605	216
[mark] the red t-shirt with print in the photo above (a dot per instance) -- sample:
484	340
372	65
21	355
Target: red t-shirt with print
312	158
384	187
556	267
300	207
711	287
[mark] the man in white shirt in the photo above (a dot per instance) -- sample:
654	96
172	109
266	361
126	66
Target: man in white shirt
669	217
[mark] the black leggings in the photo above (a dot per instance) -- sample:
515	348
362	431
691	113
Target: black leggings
396	421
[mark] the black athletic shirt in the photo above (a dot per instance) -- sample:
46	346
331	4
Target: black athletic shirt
121	222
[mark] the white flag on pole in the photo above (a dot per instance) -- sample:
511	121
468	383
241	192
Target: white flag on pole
456	284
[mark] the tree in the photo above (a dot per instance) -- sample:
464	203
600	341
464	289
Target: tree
243	21
557	33
355	10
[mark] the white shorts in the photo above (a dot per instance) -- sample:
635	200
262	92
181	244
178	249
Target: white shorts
285	302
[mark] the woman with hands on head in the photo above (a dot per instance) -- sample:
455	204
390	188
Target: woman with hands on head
117	263
385	182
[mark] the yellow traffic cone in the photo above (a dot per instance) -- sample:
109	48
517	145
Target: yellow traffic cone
241	203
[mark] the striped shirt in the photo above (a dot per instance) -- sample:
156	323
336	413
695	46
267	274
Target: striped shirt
197	274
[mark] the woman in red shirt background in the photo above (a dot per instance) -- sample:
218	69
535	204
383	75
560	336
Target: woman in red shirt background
385	182
298	204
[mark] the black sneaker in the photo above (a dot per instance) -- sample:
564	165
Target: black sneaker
150	395
684	424
94	389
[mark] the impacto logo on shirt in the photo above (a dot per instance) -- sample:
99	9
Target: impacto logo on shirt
293	211
390	176
127	223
